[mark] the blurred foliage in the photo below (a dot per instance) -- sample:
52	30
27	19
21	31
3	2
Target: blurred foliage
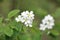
11	30
1	0
13	13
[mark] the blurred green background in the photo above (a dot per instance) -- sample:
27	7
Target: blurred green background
49	6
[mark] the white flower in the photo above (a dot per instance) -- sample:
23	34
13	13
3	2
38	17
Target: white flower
42	27
26	17
17	19
47	22
30	15
28	23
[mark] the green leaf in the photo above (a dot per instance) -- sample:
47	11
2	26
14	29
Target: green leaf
13	13
25	37
57	13
36	35
54	32
1	20
8	31
15	25
1	28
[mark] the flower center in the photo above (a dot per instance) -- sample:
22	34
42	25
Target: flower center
48	22
28	15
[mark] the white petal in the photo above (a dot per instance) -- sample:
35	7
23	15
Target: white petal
27	12
23	13
31	12
49	27
22	21
19	16
44	21
28	21
17	19
26	25
30	25
42	27
52	24
50	17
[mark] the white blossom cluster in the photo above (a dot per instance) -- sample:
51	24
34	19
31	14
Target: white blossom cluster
47	23
26	17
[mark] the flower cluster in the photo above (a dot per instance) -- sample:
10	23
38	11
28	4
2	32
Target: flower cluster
47	22
26	17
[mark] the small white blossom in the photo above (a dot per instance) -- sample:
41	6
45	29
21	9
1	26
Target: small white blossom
47	22
28	23
17	19
26	17
42	27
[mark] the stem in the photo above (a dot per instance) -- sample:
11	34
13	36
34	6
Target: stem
22	30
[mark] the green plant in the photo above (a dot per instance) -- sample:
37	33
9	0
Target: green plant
17	31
